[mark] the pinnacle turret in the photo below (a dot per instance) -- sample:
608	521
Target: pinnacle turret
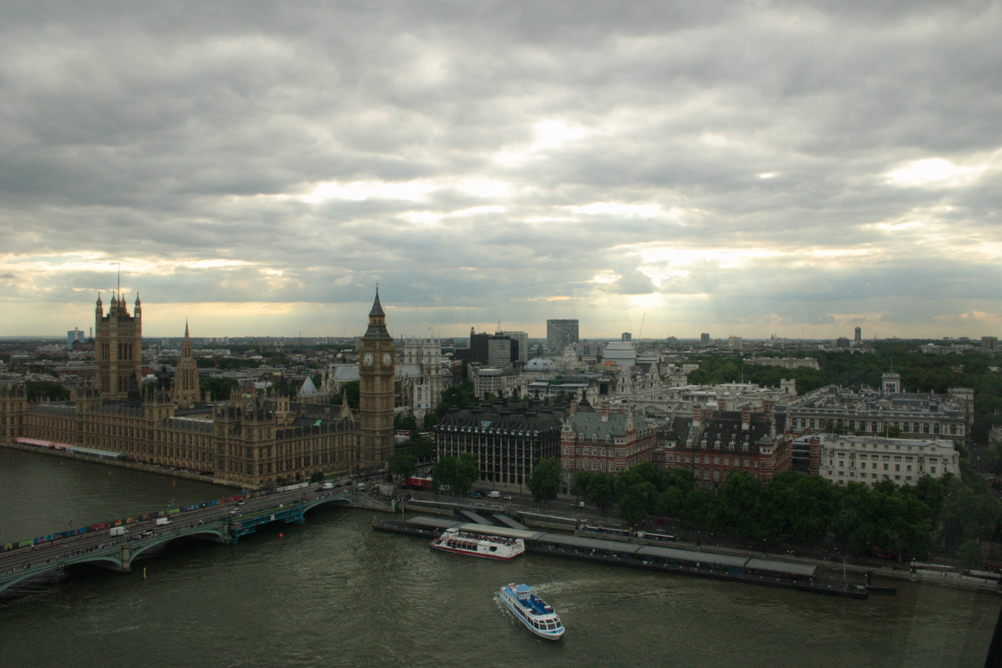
377	308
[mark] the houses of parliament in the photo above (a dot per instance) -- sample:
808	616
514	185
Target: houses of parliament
254	442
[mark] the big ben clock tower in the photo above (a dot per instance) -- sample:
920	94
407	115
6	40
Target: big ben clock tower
376	376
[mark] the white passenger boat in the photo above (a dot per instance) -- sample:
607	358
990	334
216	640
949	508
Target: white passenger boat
479	545
532	611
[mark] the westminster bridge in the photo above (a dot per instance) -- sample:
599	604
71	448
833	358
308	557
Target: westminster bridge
115	545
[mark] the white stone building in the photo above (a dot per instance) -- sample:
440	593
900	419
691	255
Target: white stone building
869	460
420	375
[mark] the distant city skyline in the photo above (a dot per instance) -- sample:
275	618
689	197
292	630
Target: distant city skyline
744	169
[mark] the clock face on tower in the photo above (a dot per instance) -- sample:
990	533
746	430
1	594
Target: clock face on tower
368	359
387	359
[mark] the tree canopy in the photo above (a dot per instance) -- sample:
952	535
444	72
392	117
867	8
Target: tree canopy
459	473
545	480
884	519
351	389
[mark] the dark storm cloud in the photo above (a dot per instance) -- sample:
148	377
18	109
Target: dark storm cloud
730	160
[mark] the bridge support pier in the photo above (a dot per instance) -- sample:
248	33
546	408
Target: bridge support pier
126	559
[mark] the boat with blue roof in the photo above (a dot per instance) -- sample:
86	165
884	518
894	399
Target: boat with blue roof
535	613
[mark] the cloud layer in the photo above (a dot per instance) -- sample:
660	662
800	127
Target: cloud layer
748	168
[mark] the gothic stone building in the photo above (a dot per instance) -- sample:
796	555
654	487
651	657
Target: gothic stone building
118	346
376	391
252	442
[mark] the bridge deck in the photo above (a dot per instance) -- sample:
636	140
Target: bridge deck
219	522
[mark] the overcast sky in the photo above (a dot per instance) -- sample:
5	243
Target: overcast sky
749	169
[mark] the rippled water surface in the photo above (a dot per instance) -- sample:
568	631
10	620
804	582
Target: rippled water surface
333	592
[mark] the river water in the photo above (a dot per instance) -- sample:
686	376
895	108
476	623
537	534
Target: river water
333	592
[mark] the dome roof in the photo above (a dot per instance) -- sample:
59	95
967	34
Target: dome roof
540	364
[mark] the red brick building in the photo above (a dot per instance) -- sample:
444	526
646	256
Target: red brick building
605	440
713	444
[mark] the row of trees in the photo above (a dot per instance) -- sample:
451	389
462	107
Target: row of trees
459	473
895	520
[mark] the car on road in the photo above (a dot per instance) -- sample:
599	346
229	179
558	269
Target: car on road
476	495
506	497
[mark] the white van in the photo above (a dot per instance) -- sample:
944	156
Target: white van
494	495
161	521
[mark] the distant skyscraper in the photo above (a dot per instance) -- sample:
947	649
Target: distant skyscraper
493	350
704	338
522	338
74	336
859	335
560	334
626	336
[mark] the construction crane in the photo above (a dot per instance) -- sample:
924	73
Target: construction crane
641	334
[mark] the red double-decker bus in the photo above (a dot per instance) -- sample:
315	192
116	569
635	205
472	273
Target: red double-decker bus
418	483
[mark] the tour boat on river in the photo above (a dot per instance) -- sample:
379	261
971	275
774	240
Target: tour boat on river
479	545
532	611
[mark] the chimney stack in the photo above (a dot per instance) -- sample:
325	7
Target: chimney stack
745	418
605	410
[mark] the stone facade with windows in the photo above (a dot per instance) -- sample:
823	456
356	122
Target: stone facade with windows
869	460
870	412
253	443
507	441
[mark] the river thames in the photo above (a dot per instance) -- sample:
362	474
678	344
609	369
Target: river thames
333	592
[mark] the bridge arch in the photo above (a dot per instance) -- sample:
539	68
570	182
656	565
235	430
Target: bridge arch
216	534
346	501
